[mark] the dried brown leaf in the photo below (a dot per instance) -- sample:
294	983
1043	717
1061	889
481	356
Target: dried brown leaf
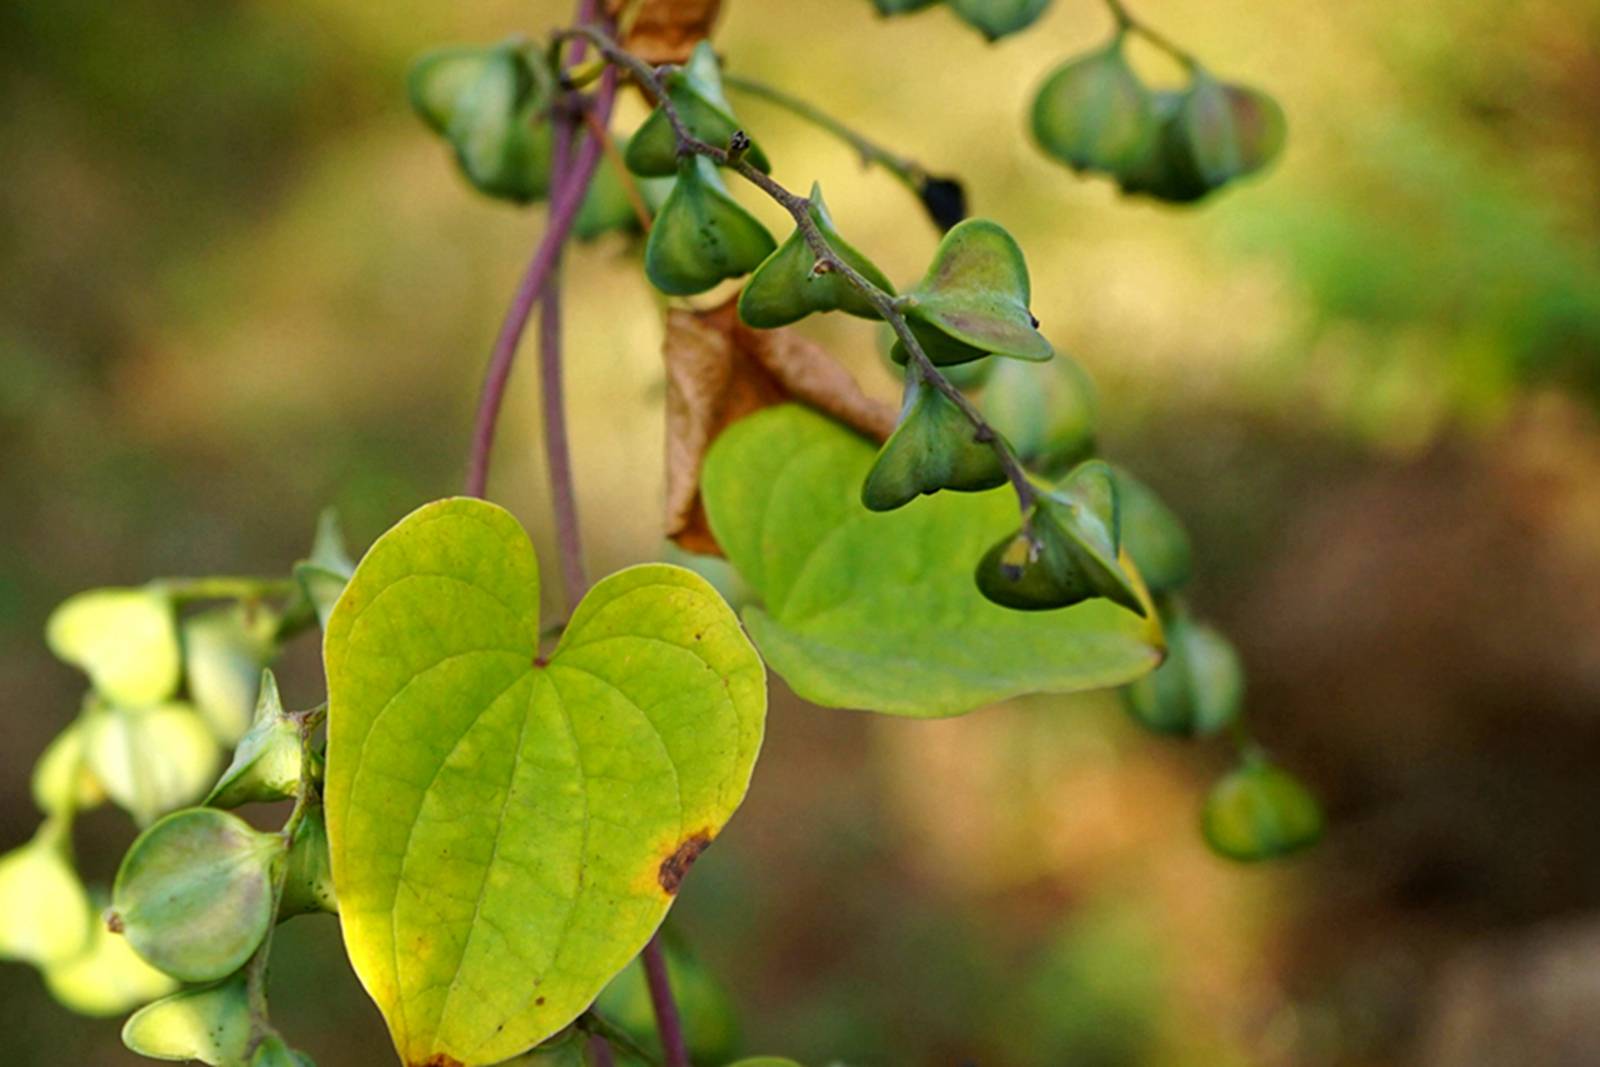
718	371
664	31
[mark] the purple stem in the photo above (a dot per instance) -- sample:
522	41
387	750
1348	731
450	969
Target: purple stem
565	199
557	450
668	1024
600	1051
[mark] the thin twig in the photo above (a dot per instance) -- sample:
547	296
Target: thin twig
667	1022
1128	22
799	208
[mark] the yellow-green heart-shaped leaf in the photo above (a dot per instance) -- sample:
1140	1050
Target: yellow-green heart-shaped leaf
973	301
997	18
786	288
223	653
934	447
125	640
210	1024
107	978
879	611
702	235
508	828
150	760
1259	812
45	916
1093	113
696	93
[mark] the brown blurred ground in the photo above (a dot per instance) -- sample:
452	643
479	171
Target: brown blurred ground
242	283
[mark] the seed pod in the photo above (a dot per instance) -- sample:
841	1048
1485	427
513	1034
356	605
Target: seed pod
1046	411
210	1024
964	376
320	577
696	94
901	7
440	78
607	206
1167	171
974	300
107	978
787	287
1153	536
1230	130
997	18
1260	812
125	640
150	760
702	235
194	893
223	654
934	447
62	780
1072	553
308	883
500	128
1199	688
1093	113
272	1052
266	765
45	916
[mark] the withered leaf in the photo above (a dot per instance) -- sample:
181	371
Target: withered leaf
718	371
664	31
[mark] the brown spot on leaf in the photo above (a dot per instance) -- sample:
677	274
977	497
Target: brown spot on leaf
539	1001
675	866
439	1059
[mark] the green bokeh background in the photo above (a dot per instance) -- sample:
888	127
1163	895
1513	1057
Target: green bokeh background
241	282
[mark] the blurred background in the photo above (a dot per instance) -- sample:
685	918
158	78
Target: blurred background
242	283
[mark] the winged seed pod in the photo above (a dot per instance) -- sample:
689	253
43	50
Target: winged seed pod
933	448
125	640
266	765
1230	130
194	893
1072	553
45	917
787	287
973	301
1094	114
210	1024
308	883
702	235
997	18
1153	536
696	94
224	651
150	760
1260	812
62	780
1197	691
1046	411
107	978
272	1052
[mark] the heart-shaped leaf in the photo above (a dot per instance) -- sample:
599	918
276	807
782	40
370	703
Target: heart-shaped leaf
507	828
696	93
934	447
62	780
974	299
702	235
786	287
879	611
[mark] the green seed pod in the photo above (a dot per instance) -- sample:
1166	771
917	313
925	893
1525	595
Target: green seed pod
308	883
934	447
321	577
1047	412
1260	812
210	1024
965	376
786	287
62	780
107	978
1072	555
1153	536
974	300
696	93
710	1022
997	18
901	7
125	640
607	206
223	654
266	765
440	78
499	126
1168	171
150	760
194	893
1199	688
702	235
45	917
1093	113
272	1052
1230	130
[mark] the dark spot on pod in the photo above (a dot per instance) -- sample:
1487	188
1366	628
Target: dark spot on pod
675	866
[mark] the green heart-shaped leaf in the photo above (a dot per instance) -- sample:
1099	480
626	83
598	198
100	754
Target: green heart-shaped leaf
786	288
696	93
210	1024
1260	812
974	299
997	18
934	447
125	640
508	829
702	235
878	611
1197	691
1093	113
